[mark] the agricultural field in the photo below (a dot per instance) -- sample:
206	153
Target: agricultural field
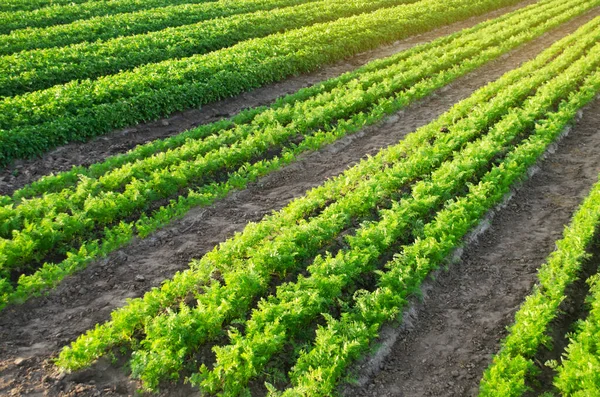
300	198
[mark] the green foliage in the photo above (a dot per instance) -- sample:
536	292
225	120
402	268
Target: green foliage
299	303
62	11
129	24
34	123
512	118
30	5
507	375
124	186
317	371
579	372
39	69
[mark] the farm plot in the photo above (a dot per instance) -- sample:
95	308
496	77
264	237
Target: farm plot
428	218
128	24
63	11
290	303
36	70
66	214
33	123
451	336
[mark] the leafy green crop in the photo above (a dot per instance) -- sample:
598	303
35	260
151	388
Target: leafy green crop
39	69
35	122
65	221
29	5
299	303
64	12
507	375
452	168
417	55
579	373
128	24
342	340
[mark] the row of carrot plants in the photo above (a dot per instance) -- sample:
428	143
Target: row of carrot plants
449	156
129	24
33	123
66	13
30	5
514	365
278	112
372	240
578	375
39	69
64	219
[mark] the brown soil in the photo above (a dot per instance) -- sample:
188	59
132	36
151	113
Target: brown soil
450	336
23	172
33	333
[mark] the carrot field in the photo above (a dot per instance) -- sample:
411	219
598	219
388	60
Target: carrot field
300	198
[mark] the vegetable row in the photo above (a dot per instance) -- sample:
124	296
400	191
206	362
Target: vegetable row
56	183
30	5
579	372
128	24
39	69
341	341
35	122
446	176
274	322
69	218
66	13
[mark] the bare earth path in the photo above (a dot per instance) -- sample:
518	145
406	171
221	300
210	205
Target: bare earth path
33	333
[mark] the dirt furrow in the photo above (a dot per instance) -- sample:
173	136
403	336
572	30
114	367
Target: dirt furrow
34	332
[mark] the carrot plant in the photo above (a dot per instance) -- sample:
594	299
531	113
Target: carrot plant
579	372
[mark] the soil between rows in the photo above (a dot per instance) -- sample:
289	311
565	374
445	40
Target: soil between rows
33	333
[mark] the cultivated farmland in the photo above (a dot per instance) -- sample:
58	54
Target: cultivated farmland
299	197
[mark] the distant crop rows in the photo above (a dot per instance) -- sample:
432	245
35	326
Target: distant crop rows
129	24
87	212
40	69
35	122
402	213
578	374
29	5
11	20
